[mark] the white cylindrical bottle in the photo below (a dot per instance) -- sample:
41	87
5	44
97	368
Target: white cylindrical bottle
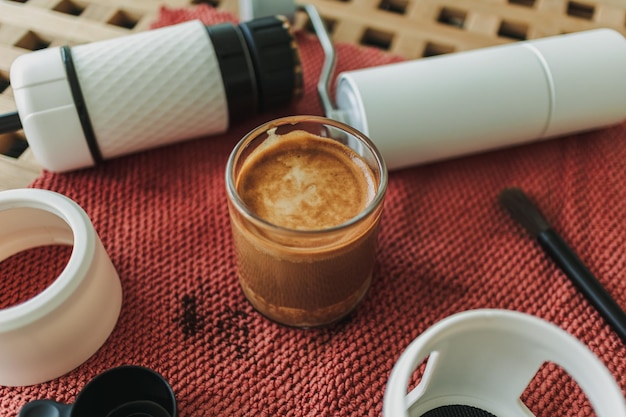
98	101
446	106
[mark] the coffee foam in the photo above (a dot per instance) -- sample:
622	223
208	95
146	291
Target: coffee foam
302	181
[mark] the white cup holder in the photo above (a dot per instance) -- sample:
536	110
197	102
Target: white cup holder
485	359
59	328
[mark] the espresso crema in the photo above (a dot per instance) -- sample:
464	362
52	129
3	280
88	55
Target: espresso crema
305	182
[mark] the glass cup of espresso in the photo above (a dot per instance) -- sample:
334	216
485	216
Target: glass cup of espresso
305	197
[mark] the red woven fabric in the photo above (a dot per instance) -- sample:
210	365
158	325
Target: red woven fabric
445	246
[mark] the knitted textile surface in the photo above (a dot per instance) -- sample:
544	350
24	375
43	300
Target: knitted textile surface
445	246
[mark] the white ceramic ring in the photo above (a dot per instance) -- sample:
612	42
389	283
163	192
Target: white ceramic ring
60	328
486	358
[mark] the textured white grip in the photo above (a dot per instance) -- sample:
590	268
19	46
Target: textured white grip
152	88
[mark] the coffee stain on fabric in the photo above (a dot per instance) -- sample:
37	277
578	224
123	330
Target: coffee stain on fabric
189	320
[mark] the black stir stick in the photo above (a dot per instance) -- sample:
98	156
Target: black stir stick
525	213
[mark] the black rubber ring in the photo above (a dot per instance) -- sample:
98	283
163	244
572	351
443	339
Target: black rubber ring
276	60
236	70
81	107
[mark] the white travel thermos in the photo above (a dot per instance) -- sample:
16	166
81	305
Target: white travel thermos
462	103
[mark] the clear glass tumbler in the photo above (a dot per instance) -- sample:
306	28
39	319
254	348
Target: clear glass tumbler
305	197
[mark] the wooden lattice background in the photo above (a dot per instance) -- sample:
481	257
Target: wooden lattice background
411	28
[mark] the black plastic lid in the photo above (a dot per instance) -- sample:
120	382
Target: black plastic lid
275	59
119	392
237	70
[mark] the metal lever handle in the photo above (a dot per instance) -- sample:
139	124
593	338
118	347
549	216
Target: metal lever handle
323	84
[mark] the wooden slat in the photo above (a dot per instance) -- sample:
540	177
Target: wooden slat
54	24
17	173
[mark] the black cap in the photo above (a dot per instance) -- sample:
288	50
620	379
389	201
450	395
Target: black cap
237	70
119	392
275	59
